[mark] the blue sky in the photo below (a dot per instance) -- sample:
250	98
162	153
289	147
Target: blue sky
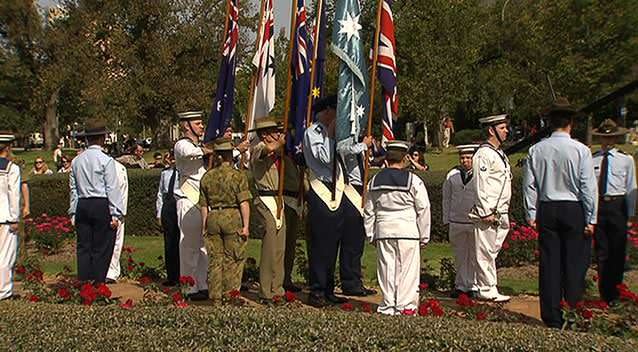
282	11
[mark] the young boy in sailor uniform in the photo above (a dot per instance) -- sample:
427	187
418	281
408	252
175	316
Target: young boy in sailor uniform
397	222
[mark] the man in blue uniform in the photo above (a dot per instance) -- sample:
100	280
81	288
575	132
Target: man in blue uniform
166	208
616	174
325	213
96	204
560	199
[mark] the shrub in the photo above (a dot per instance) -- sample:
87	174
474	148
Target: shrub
468	136
70	327
48	233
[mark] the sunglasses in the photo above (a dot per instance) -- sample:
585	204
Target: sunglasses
39	161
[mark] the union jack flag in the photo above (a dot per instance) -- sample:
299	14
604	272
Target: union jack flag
302	46
387	70
222	110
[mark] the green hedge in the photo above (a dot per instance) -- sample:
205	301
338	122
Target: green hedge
28	327
468	136
50	194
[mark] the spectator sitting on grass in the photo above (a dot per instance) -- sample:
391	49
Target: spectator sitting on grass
66	165
134	159
40	167
158	162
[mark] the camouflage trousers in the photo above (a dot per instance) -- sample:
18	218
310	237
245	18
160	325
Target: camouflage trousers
271	263
226	252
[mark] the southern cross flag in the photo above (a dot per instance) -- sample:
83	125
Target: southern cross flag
264	60
387	69
222	109
352	98
317	87
301	52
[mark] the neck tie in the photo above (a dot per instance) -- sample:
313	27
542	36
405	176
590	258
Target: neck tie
604	170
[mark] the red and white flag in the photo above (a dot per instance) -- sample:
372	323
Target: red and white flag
264	61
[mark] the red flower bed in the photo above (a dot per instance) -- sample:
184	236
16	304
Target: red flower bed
520	247
48	233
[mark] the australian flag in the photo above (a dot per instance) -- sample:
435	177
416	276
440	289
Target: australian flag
321	25
387	70
301	53
222	109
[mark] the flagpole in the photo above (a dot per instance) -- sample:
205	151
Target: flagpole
373	80
253	82
315	52
288	104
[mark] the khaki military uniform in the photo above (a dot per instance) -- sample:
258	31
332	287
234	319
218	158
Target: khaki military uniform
222	190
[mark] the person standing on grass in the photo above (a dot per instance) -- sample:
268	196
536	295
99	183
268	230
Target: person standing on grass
492	178
96	204
560	200
122	183
10	186
189	161
166	208
458	199
616	173
224	203
397	222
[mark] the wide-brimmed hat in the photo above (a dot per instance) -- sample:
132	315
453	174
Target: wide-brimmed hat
7	137
467	148
94	127
397	145
561	106
223	144
191	115
265	123
609	128
325	103
494	119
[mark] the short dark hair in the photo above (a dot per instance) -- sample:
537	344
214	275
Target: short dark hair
560	120
96	139
395	156
4	146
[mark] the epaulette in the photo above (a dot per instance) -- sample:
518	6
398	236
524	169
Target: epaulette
622	152
319	128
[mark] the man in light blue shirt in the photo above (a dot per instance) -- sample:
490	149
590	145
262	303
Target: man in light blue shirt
96	204
616	174
560	200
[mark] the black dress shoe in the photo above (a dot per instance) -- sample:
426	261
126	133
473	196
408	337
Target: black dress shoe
204	292
335	299
362	292
292	288
197	296
317	300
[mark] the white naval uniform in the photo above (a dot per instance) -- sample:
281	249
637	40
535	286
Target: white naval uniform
122	184
9	214
397	218
193	258
493	182
458	198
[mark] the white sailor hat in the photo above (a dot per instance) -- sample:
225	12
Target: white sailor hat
401	146
191	115
467	148
493	120
6	137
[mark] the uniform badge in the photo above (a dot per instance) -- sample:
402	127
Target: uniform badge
483	168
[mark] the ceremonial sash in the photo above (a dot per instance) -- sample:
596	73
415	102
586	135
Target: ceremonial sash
190	191
324	193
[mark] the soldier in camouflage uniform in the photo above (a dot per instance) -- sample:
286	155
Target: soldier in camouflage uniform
224	204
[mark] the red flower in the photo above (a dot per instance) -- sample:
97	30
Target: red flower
423	286
537	253
505	245
595	278
141	264
186	281
20	269
88	294
464	300
366	307
564	304
104	291
580	305
127	249
34	298
64	293
348	307
166	290
276	299
408	312
481	315
129	268
130	261
234	294
424	309
35	276
587	314
145	280
290	296
437	311
181	304
177	296
127	305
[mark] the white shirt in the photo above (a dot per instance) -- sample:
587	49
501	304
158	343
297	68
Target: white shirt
493	181
458	197
165	180
189	163
621	176
9	191
122	185
397	208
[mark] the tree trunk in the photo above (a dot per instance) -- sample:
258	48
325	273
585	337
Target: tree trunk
51	124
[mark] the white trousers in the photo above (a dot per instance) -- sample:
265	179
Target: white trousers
114	267
8	255
488	239
193	258
398	270
462	240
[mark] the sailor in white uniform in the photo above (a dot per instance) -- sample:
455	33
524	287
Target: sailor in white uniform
397	222
493	181
9	214
122	183
458	198
189	162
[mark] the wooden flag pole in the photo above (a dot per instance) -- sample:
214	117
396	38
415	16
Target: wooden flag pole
288	104
253	81
373	80
313	65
